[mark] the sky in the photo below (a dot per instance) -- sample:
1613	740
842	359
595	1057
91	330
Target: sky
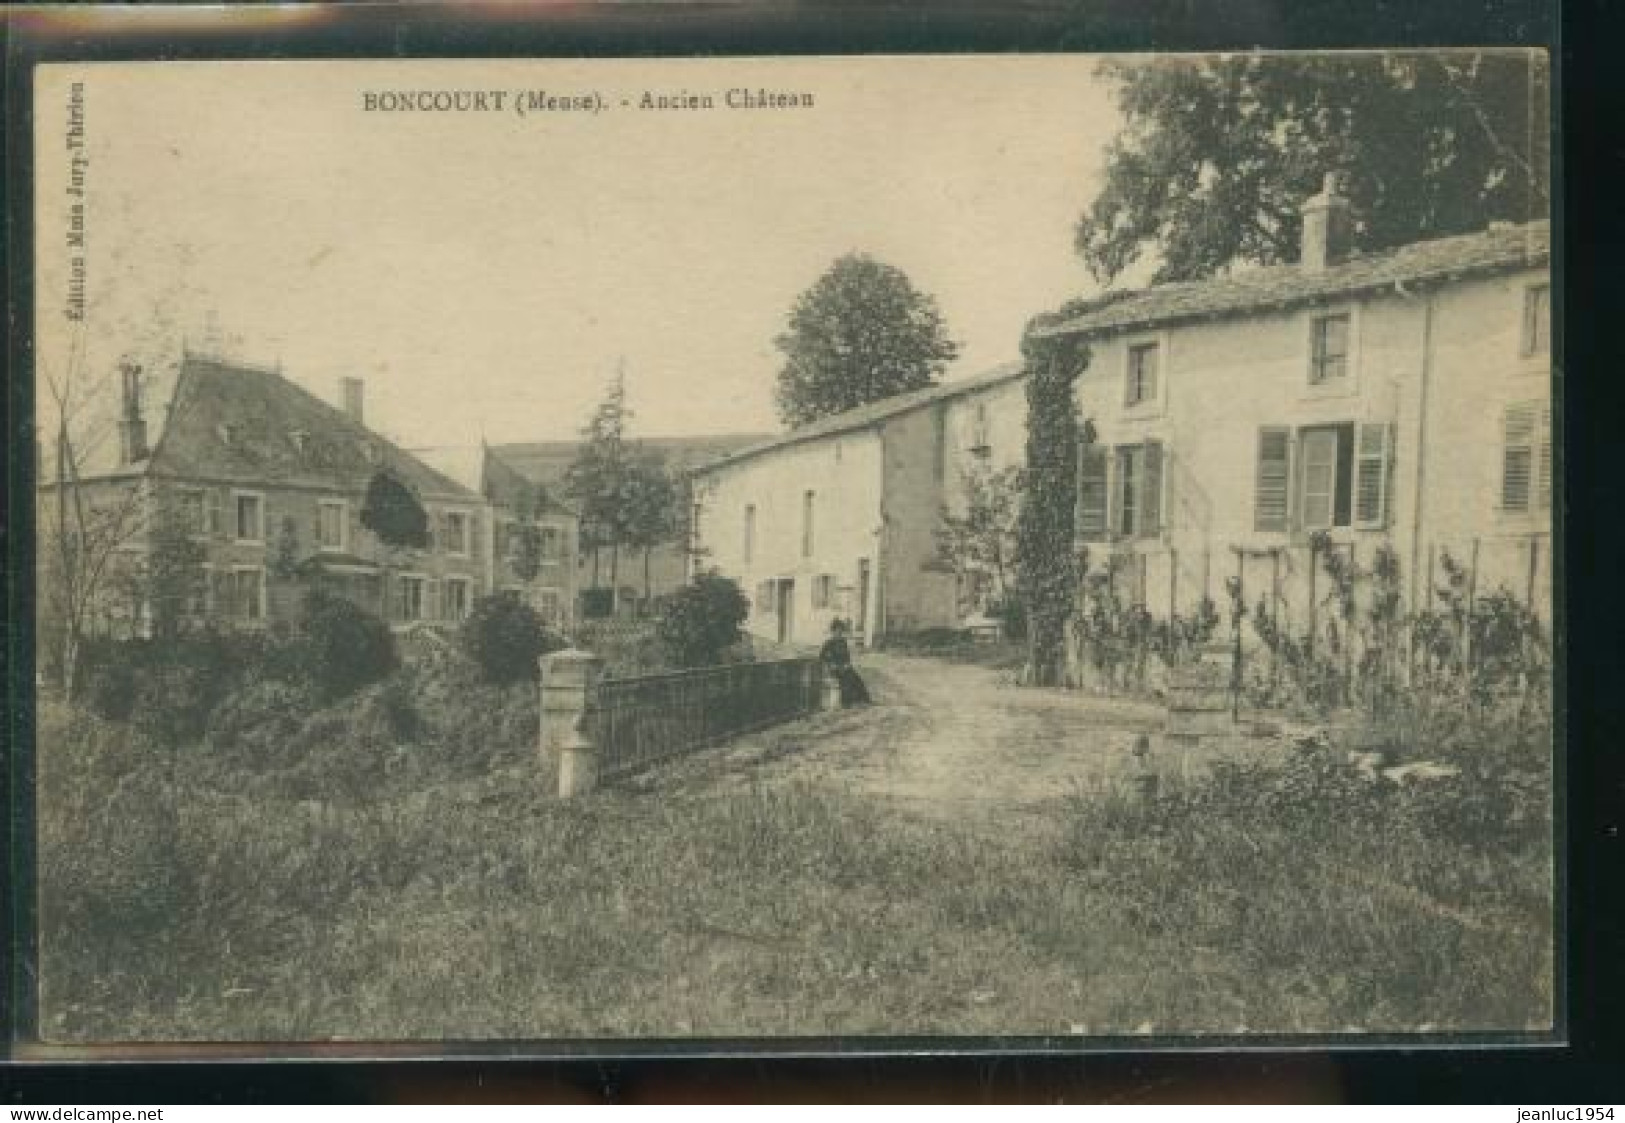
486	273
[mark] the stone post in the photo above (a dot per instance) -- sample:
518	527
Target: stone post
832	687
569	699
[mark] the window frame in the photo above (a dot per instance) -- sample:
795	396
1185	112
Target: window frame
1133	374
447	515
1349	382
261	608
237	497
459	581
422	582
200	532
343	544
1535	333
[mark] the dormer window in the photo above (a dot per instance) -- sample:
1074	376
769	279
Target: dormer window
300	440
229	432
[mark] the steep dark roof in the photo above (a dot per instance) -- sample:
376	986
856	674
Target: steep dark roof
279	434
546	462
506	486
1498	249
874	413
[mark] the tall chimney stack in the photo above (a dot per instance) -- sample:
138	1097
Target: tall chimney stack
132	424
354	390
1328	228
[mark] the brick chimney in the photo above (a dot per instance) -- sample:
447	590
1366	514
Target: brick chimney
132	425
354	391
1328	229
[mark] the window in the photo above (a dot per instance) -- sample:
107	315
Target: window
457	598
1142	374
332	522
454	532
749	548
1119	491
250	518
214	514
808	502
245	593
551	543
978	434
1537	319
823	591
1320	478
1526	458
1328	349
409	599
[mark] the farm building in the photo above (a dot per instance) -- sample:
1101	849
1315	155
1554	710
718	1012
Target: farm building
840	518
1251	427
270	481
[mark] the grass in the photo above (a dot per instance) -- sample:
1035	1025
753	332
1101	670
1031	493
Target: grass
183	903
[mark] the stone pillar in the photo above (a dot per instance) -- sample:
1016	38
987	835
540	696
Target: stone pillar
569	699
832	687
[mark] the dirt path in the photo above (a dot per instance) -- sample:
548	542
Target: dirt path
951	740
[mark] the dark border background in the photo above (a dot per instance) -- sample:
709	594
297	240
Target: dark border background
1590	1069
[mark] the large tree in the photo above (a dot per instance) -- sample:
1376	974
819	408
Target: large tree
861	333
1217	154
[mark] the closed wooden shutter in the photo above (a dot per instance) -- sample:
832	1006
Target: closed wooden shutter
1091	514
1372	469
1518	457
1151	491
1543	471
1271	493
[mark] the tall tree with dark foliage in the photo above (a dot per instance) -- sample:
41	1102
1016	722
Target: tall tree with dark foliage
861	333
1217	154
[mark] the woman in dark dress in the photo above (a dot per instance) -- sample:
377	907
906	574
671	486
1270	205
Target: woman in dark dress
838	658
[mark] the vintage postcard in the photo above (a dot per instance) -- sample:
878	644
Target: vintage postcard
1049	547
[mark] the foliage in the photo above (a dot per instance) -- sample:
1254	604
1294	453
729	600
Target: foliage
703	620
392	512
343	646
1047	564
504	637
172	575
981	539
284	562
861	333
1116	641
1219	153
86	570
593	480
525	551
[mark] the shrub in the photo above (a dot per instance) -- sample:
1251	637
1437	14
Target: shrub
344	647
702	621
504	637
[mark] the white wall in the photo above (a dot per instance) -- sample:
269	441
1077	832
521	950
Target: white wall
844	472
1221	380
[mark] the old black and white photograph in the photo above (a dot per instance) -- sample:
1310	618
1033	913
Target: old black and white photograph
1048	546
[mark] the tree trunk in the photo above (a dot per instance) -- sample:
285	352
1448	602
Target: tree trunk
648	593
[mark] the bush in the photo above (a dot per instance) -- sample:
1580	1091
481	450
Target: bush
343	646
702	621
504	637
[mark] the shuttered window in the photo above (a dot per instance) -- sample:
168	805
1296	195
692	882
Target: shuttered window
1270	495
1091	514
1126	489
1325	477
1372	471
1526	458
1151	491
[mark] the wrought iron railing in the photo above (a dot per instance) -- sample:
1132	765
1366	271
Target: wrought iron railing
640	721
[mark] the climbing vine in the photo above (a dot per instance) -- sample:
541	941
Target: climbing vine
1047	563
